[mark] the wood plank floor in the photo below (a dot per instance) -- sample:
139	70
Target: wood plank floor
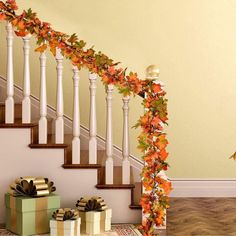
201	217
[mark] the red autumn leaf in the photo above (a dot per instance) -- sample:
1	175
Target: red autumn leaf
41	49
12	3
156	88
21	33
2	5
112	70
2	16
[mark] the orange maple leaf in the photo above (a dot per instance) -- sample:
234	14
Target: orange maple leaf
41	49
21	33
2	16
21	25
156	88
163	154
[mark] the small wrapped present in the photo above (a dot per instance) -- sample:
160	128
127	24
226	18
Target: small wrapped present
29	205
66	222
95	215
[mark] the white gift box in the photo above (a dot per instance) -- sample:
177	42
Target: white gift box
92	219
95	222
65	228
106	220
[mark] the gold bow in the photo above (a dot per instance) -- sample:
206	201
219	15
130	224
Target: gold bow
64	214
91	204
31	187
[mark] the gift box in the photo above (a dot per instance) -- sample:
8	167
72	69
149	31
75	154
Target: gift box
106	220
29	205
94	214
65	228
95	222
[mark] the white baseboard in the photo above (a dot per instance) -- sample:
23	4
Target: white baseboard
203	188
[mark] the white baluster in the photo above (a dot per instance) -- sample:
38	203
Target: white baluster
9	103
59	120
26	103
109	144
76	119
125	144
43	101
92	121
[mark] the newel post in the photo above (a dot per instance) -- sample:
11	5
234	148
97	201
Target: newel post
152	73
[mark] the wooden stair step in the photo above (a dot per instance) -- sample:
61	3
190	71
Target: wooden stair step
48	145
18	124
135	207
117	175
115	186
17	111
81	166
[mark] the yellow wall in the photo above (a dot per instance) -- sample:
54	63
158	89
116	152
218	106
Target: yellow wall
192	42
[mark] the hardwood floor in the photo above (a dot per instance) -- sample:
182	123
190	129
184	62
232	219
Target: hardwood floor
202	216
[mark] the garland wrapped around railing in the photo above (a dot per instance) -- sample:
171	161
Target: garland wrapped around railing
152	140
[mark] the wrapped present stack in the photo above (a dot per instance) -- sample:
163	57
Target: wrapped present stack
30	203
95	215
66	222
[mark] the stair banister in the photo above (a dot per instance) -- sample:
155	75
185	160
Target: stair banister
26	103
43	101
109	143
92	120
125	143
59	123
76	119
9	102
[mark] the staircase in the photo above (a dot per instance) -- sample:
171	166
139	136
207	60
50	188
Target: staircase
39	140
78	160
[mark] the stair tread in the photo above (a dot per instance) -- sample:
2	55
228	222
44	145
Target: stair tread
81	166
48	145
135	207
18	124
2	104
115	186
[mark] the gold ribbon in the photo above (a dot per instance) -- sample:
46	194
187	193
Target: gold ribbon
64	214
91	204
31	187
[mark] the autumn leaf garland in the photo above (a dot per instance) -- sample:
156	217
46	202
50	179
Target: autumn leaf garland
152	140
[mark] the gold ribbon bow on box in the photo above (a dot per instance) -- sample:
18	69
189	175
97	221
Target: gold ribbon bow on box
64	214
31	187
91	204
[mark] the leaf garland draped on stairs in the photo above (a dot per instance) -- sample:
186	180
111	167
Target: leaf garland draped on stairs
152	140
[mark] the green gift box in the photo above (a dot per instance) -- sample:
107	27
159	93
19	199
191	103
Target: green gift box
29	216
